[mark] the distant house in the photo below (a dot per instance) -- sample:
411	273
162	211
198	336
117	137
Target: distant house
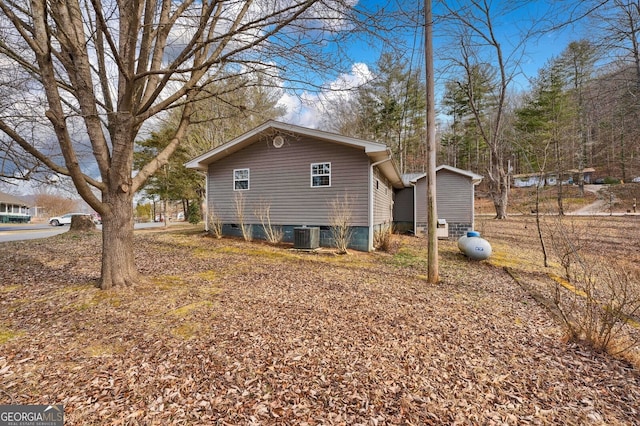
298	172
455	190
527	180
13	209
587	175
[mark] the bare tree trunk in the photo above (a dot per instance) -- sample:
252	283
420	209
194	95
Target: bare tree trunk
559	198
539	227
500	197
559	177
118	260
498	186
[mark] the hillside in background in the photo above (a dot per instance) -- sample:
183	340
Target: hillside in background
614	199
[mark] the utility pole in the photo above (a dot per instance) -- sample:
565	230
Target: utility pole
432	210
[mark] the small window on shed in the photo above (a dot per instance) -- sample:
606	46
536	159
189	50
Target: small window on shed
320	174
241	179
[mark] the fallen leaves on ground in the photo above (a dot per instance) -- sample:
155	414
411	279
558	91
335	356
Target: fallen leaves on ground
234	333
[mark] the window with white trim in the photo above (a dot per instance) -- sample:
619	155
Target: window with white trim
320	174
240	179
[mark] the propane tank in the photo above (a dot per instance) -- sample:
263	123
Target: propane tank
462	240
476	248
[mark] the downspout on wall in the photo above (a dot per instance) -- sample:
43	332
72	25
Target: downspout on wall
371	196
415	212
206	202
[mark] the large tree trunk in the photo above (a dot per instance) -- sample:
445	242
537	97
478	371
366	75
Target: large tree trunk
118	262
500	198
498	186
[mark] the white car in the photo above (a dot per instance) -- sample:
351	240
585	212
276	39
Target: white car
636	179
65	219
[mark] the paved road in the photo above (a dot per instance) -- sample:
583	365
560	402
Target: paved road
28	231
32	231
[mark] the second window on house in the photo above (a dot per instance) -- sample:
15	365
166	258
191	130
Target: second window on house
320	174
240	179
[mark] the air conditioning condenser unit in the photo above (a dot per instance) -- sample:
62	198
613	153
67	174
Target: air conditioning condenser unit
307	238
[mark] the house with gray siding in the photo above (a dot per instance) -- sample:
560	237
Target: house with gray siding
454	198
298	172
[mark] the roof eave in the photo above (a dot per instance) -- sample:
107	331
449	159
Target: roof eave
201	162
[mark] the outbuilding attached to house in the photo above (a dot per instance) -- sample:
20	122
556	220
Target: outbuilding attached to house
454	198
298	173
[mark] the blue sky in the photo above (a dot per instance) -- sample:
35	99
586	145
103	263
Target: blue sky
509	27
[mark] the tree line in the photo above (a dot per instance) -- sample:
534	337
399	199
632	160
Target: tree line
579	112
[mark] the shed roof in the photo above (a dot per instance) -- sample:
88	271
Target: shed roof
377	152
475	178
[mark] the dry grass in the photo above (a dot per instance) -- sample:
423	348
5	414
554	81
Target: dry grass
591	278
230	332
523	200
616	199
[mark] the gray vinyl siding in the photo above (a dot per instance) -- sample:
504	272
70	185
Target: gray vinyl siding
403	205
421	201
454	197
382	199
281	177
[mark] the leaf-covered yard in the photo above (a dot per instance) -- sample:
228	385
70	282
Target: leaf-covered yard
234	333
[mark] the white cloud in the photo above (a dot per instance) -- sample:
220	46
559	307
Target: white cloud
308	108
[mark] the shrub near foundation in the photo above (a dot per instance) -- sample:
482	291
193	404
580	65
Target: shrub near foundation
341	219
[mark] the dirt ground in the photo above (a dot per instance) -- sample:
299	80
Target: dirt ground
234	333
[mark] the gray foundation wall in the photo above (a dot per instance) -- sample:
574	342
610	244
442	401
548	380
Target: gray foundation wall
359	234
456	229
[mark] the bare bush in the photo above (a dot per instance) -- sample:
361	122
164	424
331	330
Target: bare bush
340	219
247	230
598	300
55	205
273	233
568	241
384	240
214	223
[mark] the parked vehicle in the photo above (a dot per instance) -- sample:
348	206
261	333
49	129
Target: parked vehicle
65	219
636	179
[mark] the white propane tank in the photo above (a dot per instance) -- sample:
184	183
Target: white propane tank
462	240
476	248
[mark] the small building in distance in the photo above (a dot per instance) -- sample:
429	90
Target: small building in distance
13	209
